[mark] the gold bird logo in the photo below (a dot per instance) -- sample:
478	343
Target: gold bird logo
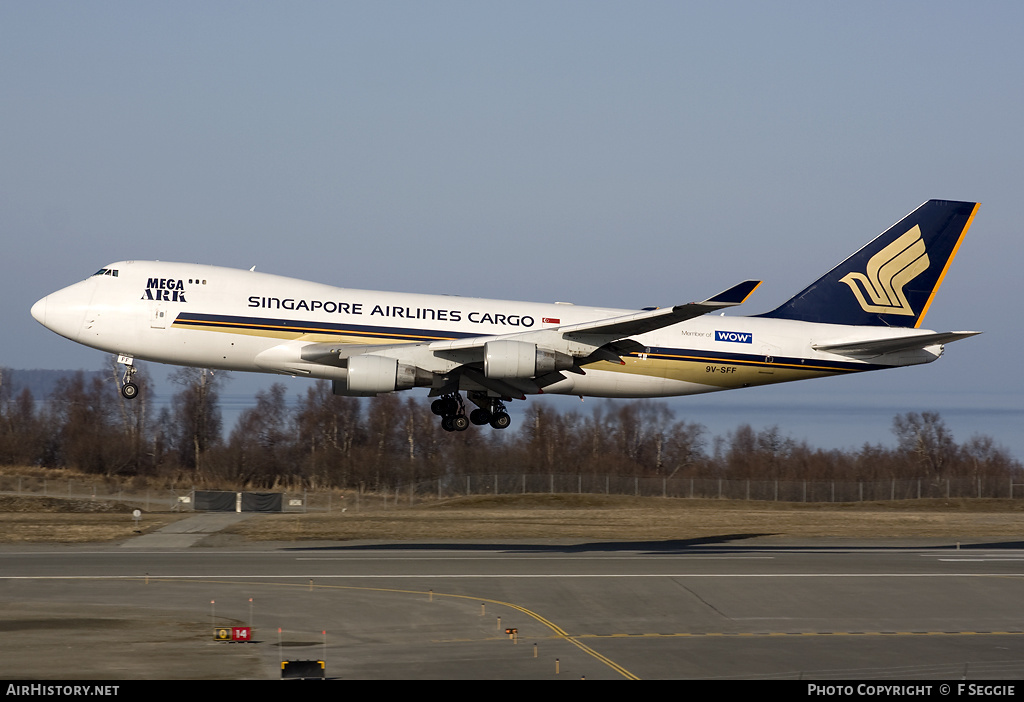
880	287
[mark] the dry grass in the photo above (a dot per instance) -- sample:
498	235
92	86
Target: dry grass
544	517
57	520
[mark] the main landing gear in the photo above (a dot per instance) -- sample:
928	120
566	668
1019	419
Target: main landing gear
452	410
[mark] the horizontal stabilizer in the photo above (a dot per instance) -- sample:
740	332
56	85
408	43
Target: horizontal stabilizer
875	347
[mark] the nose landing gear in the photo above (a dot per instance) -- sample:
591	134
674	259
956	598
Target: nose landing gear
129	390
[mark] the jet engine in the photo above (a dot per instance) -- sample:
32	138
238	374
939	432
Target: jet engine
520	359
369	374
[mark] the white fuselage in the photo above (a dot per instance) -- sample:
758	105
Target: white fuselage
207	316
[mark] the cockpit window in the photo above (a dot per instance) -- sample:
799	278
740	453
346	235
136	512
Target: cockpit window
106	271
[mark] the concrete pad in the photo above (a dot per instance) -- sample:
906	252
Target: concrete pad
187	532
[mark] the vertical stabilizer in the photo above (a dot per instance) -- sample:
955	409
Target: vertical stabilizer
891	281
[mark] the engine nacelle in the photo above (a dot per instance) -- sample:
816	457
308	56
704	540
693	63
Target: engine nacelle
520	359
369	374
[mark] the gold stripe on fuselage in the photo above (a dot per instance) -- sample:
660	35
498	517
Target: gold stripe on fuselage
716	372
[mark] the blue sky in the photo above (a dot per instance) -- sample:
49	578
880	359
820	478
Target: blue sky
615	154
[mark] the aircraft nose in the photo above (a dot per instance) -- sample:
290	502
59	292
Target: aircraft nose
63	311
39	311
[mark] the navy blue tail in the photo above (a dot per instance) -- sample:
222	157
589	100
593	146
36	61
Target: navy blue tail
891	281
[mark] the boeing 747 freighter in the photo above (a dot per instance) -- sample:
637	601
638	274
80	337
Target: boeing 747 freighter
863	315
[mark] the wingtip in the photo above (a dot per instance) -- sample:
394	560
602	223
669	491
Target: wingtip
755	284
736	295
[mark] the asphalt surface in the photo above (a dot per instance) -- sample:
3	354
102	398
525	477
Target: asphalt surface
729	608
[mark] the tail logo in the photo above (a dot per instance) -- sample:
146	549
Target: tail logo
888	271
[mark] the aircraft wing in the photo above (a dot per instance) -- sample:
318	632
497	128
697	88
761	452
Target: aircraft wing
573	345
615	328
876	347
642	322
334	354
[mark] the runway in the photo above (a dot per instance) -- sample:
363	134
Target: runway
731	608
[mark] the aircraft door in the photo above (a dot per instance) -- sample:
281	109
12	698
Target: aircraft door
769	352
158	318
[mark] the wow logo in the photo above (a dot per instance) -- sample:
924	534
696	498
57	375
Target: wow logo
734	337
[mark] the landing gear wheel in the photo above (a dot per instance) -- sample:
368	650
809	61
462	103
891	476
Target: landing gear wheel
129	390
452	411
490	410
480	417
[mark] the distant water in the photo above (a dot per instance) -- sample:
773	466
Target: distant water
829	427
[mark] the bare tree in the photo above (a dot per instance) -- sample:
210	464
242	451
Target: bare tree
925	438
134	414
21	428
196	414
685	448
89	439
327	428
